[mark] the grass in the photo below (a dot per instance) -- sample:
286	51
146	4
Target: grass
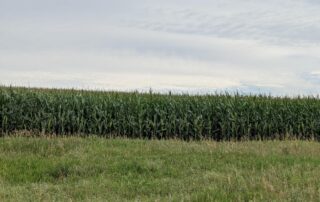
99	169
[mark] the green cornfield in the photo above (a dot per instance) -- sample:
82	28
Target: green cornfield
151	115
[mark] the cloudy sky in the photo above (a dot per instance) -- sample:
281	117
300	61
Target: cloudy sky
200	46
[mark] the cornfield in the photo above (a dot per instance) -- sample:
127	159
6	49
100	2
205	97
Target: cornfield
150	115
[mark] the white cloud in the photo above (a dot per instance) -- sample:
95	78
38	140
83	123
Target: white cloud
196	45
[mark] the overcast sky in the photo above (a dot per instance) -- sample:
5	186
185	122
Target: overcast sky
200	46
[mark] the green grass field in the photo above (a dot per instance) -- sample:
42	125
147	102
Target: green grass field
99	169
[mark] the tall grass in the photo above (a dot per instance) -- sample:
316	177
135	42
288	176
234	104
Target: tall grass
218	117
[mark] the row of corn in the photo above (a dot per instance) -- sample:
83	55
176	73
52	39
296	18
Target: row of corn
150	115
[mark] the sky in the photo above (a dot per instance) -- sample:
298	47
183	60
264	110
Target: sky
194	46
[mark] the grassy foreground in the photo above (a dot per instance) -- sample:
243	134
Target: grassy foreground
98	169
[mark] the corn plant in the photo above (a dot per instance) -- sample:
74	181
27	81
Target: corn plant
151	115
